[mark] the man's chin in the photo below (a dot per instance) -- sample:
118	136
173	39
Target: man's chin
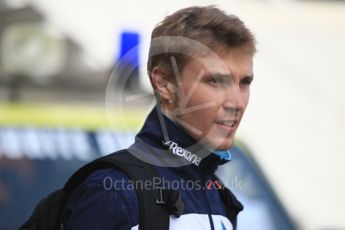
225	147
223	144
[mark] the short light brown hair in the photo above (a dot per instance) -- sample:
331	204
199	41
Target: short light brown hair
208	25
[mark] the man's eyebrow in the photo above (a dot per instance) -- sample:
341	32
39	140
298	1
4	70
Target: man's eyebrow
222	75
227	75
250	76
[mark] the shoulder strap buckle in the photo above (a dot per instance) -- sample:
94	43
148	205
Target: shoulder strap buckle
173	201
232	204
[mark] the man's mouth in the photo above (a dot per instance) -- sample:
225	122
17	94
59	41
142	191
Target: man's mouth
228	123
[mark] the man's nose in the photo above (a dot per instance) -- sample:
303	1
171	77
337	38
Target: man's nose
233	101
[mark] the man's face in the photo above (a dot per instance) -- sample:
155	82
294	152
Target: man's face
213	96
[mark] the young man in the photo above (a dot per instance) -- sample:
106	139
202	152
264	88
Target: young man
201	67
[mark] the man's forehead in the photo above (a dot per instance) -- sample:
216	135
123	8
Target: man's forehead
221	66
208	64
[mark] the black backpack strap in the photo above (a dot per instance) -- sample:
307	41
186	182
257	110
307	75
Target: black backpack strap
155	204
232	204
46	214
172	200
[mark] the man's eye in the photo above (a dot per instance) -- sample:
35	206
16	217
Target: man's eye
214	80
246	81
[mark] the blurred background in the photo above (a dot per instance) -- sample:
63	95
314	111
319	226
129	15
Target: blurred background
56	59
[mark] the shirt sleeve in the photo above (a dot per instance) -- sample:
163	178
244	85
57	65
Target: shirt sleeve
91	206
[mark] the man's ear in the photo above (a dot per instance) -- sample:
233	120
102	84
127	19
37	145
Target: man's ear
160	82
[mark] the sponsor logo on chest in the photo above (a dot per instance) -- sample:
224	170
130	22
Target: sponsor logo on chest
182	152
